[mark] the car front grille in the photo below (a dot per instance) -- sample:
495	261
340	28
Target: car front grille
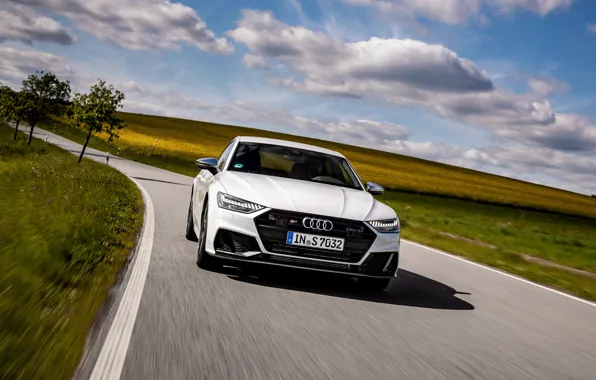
274	225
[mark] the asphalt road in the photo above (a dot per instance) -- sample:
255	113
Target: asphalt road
443	318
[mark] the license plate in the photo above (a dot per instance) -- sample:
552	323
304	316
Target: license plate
315	241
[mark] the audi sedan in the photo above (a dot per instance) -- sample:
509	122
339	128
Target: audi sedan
286	204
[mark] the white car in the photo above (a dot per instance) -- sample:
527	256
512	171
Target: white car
282	203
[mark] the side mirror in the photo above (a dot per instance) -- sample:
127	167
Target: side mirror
374	189
209	164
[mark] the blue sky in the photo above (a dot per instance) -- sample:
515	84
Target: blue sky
505	86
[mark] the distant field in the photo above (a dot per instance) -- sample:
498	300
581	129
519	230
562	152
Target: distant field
181	142
552	249
65	231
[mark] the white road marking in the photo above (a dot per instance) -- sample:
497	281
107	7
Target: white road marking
500	272
111	358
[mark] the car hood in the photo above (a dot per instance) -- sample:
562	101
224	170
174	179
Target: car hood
303	196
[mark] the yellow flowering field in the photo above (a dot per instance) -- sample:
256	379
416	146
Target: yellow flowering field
183	141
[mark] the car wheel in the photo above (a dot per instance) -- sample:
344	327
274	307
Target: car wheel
204	260
190	225
373	284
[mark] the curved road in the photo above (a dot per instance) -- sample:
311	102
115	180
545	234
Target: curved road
444	318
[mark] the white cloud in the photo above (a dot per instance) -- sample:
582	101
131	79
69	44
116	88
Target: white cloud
446	11
297	6
568	171
174	99
132	87
138	24
545	86
458	11
591	28
20	23
17	63
408	72
360	66
571	132
367	133
144	108
540	7
374	131
169	98
495	110
520	158
427	150
255	61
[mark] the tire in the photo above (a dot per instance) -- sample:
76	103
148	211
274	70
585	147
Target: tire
190	224
373	284
204	260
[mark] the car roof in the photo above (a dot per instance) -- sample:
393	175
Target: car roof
288	143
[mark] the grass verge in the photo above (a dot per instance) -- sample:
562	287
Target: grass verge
65	231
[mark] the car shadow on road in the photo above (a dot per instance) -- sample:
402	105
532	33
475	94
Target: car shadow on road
408	289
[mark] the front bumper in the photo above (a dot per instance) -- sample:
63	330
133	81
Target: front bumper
260	238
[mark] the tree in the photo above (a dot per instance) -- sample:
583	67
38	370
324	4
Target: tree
12	107
44	95
18	114
96	112
5	103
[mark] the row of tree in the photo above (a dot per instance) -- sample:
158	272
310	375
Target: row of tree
44	95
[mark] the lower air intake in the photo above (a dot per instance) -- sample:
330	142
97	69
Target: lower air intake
235	242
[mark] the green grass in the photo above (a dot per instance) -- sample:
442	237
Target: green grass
498	236
65	232
442	206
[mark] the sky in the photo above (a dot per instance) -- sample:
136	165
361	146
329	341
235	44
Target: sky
502	86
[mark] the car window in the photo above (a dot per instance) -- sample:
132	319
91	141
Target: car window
223	158
349	172
301	164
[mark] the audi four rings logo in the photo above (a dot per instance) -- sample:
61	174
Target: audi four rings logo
317	224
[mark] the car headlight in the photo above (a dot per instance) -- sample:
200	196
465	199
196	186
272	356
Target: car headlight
230	202
386	225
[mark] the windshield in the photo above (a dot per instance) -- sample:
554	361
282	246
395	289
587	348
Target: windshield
288	162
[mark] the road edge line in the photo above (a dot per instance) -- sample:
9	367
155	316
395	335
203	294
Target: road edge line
110	361
451	255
